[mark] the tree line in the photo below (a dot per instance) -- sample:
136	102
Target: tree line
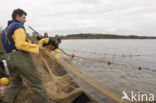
104	36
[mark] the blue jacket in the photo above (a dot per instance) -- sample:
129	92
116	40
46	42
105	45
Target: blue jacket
14	26
48	43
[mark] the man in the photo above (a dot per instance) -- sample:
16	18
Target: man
45	35
19	61
51	44
39	37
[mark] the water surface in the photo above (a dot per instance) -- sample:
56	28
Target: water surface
134	52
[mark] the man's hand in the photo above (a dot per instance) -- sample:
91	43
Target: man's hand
41	48
56	42
38	34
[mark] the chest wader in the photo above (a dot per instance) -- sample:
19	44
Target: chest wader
21	68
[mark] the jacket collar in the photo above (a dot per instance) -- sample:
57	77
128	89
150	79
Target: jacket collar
12	21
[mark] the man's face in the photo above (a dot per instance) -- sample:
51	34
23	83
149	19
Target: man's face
46	35
21	19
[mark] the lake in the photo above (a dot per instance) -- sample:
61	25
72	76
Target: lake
132	52
125	55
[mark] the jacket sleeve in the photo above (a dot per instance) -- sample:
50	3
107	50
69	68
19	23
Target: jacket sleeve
43	41
19	38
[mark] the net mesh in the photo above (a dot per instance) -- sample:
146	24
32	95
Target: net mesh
60	86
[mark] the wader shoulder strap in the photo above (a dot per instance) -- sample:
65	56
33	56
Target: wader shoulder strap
6	36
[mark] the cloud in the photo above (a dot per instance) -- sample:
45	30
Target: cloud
135	17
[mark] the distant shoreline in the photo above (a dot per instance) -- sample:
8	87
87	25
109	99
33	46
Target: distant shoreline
104	36
107	38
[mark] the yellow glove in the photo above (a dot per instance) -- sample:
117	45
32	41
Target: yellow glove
57	53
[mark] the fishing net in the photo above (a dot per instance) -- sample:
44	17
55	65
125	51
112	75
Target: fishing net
60	86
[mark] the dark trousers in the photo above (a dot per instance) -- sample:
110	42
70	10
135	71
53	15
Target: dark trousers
21	67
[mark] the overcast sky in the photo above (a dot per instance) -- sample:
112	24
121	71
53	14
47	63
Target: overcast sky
124	17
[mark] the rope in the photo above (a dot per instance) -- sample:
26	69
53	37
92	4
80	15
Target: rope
106	62
113	55
103	88
129	84
65	52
